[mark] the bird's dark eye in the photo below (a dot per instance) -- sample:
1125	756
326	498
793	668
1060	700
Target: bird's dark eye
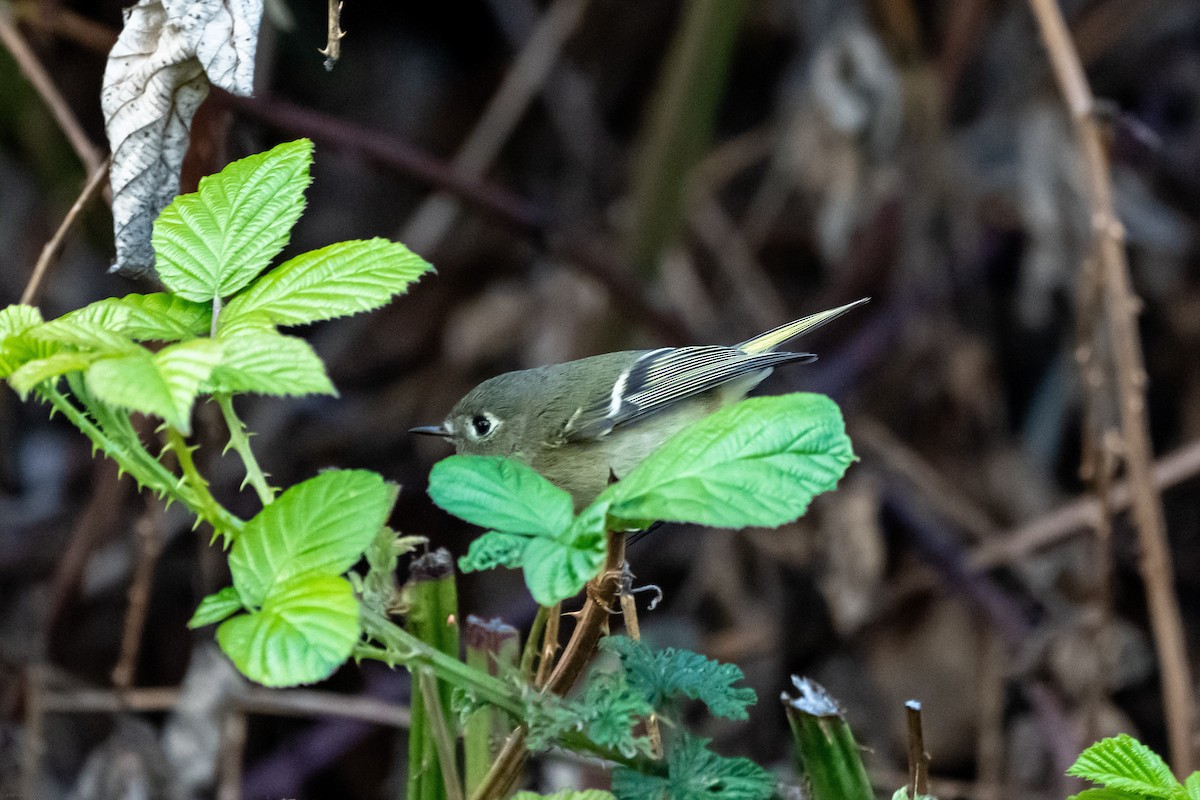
482	425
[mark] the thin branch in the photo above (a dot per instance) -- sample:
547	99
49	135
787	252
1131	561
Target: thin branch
149	537
333	43
918	759
1120	309
51	249
37	75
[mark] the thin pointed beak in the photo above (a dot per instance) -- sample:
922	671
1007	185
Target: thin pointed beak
431	430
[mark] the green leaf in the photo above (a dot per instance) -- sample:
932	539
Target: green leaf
494	549
501	494
31	373
612	709
902	794
1192	786
267	362
318	527
216	607
1122	762
758	462
160	317
1106	794
164	384
696	773
662	675
97	332
306	629
335	281
556	569
567	794
211	243
16	319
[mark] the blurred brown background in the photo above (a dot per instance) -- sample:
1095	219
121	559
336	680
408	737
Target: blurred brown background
623	173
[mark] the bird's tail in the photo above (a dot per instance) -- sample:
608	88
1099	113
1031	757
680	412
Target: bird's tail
765	342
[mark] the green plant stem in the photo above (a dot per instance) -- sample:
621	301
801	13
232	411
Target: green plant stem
206	506
533	643
401	647
443	741
240	442
493	648
129	454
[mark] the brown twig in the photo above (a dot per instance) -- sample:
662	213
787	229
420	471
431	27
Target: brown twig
51	249
148	532
629	613
1120	309
333	43
918	759
234	729
37	75
1079	515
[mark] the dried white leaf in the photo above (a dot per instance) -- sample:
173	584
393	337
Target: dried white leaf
157	75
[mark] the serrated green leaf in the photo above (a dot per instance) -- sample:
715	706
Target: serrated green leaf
318	527
334	281
212	243
306	628
661	675
160	316
88	330
696	773
164	384
216	607
267	362
902	794
612	709
16	319
31	373
494	549
558	568
1106	794
567	794
501	494
1122	762
1192	786
758	462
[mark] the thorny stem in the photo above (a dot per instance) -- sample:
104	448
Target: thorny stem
240	442
131	456
532	643
205	505
1120	309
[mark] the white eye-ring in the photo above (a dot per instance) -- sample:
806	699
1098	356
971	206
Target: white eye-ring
482	426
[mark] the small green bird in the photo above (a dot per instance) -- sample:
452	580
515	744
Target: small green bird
581	423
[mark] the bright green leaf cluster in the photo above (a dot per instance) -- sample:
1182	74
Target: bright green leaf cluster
1129	770
660	676
696	773
756	463
287	564
568	794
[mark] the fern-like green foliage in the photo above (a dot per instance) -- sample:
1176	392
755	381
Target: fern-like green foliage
696	773
661	676
1126	769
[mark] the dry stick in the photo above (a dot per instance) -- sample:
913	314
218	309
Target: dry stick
1120	309
1078	515
229	764
630	613
333	46
32	69
428	226
149	537
549	644
97	180
918	759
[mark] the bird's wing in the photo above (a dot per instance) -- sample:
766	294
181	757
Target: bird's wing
777	336
659	378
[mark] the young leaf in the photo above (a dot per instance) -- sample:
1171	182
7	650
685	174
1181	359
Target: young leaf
306	628
612	710
494	549
16	319
501	494
216	607
1123	763
696	773
318	527
662	675
558	568
211	243
1100	794
267	362
88	331
164	384
161	316
335	281
31	373
1192	786
758	462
